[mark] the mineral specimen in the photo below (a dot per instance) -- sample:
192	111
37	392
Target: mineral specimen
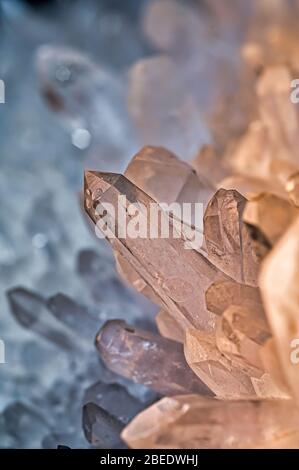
178	275
148	359
240	334
220	295
101	429
166	178
154	81
227	239
193	422
213	368
271	215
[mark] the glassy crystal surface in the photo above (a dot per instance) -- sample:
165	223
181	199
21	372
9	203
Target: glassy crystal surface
141	356
89	83
240	334
101	428
166	178
227	239
177	275
271	215
221	295
213	368
193	422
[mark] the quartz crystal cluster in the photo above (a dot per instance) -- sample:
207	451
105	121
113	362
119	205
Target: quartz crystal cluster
183	348
225	357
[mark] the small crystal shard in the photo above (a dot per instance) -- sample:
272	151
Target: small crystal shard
228	241
147	358
193	422
100	428
213	368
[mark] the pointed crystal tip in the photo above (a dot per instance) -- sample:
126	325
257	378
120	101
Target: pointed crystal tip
96	183
96	180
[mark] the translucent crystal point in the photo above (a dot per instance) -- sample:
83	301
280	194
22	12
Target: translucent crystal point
193	422
142	356
227	238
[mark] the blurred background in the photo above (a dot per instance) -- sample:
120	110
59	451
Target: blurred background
87	84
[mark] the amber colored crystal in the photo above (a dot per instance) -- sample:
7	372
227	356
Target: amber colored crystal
240	334
292	188
280	292
228	240
271	215
178	276
193	422
147	358
220	295
213	368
